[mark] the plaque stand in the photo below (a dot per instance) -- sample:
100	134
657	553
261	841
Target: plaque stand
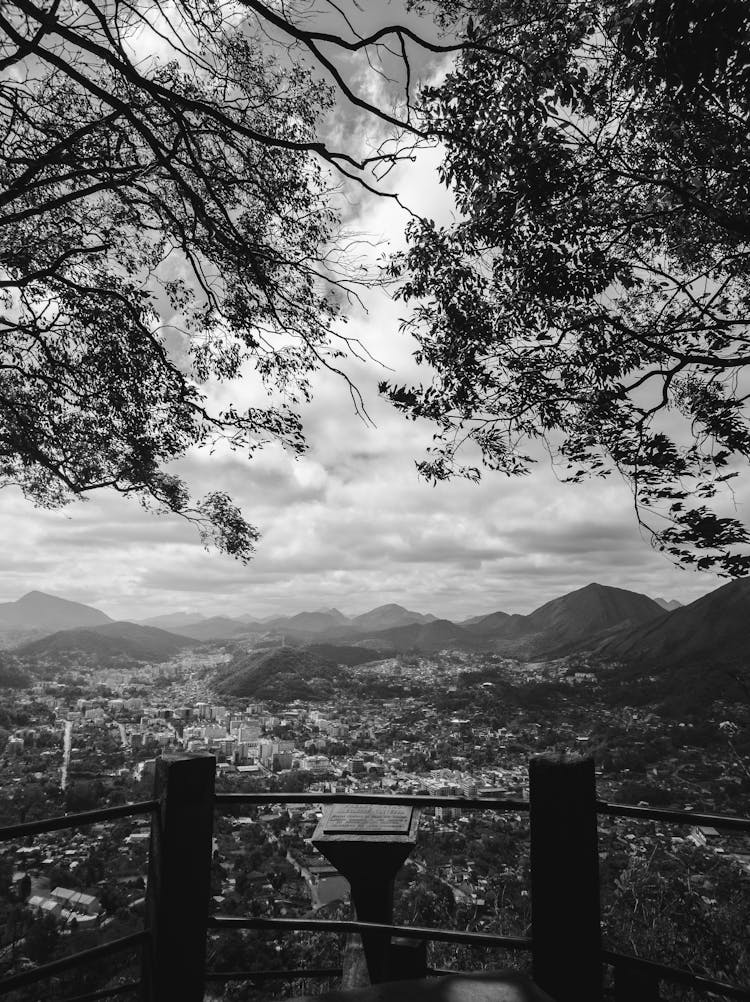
368	844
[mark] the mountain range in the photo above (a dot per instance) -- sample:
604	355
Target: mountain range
107	643
612	623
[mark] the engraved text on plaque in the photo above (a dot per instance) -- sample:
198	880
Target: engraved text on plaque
363	819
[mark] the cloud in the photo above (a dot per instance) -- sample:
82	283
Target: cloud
349	525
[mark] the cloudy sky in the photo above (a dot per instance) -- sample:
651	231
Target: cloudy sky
349	525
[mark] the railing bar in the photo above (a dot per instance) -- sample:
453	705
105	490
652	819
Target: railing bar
291	973
75	960
447	972
299	973
76	820
677	975
105	993
408	800
673	817
408	932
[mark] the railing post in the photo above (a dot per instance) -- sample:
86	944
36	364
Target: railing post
635	985
179	878
565	927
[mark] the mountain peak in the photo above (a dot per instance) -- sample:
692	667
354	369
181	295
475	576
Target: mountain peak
710	631
36	596
563	624
384	617
36	610
670	604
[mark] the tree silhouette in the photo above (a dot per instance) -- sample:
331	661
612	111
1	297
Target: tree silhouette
593	293
169	220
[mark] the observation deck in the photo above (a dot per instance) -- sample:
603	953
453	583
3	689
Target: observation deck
568	962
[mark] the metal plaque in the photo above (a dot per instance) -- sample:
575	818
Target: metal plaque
367	819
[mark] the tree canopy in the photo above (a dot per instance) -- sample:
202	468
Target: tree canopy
170	219
594	292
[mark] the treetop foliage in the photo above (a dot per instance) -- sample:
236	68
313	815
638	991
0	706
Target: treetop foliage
594	292
169	219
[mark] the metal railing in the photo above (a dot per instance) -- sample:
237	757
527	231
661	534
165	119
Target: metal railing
651	972
79	820
673	817
183	807
498	804
486	939
83	958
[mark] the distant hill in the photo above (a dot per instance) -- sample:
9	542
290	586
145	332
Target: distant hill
426	637
333	626
496	624
39	611
309	622
172	620
386	617
107	643
669	604
713	630
283	673
329	625
245	617
564	624
345	655
476	619
216	628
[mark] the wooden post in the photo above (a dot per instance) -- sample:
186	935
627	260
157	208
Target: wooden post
179	878
633	984
565	928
